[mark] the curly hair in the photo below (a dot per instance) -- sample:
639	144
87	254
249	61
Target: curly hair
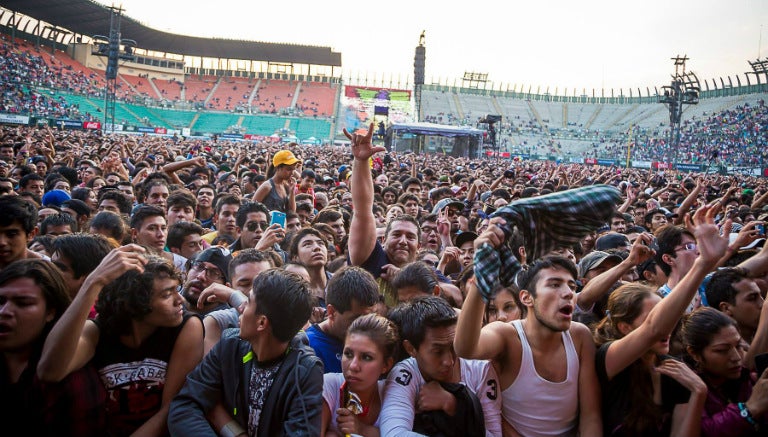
128	297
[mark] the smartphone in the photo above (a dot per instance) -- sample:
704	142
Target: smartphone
277	217
761	363
761	229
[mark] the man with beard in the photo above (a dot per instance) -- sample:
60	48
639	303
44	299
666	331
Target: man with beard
546	363
401	238
209	267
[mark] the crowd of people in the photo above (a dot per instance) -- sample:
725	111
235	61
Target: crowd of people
733	136
155	285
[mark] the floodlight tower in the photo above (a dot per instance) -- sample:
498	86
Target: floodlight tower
683	90
419	63
760	68
110	47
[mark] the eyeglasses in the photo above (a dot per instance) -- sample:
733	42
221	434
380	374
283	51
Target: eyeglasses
212	273
252	226
687	247
429	229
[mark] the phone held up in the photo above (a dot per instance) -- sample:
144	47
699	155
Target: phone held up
277	217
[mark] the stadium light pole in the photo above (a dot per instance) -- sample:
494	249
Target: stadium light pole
683	90
109	47
419	66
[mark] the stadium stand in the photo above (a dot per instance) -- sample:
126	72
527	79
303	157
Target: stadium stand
316	99
274	96
231	94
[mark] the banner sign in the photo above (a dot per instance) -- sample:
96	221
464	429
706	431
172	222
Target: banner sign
590	161
160	130
230	137
146	130
14	119
660	165
607	162
92	125
641	164
369	93
689	167
69	124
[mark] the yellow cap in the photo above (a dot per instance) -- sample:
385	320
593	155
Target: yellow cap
284	157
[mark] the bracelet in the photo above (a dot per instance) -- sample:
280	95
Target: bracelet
231	429
746	414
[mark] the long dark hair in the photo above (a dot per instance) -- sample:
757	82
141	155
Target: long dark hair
51	283
624	305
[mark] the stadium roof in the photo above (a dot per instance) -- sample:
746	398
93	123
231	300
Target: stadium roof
88	18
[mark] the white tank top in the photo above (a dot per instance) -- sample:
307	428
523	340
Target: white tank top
537	407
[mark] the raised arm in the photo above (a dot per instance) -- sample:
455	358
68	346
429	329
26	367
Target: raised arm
72	341
598	286
362	230
664	316
688	201
472	340
171	168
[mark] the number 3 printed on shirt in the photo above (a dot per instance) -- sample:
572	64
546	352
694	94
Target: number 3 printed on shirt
404	378
493	392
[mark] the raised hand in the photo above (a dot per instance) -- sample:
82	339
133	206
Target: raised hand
711	244
362	146
119	261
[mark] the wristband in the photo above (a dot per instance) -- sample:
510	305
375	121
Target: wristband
231	429
746	414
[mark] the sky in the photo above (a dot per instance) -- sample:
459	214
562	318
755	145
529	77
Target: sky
587	44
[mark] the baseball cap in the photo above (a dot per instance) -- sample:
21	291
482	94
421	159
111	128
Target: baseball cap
444	180
465	237
55	198
218	256
593	260
284	157
612	240
447	202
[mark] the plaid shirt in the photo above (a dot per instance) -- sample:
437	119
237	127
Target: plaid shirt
546	222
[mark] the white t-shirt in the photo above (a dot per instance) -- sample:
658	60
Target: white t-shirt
402	390
332	392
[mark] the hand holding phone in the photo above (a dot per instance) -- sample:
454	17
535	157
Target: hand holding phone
277	217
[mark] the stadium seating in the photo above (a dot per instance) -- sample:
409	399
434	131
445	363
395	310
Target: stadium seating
170	90
141	85
197	89
231	94
273	96
316	99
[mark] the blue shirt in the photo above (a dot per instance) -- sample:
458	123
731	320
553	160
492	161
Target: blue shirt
327	348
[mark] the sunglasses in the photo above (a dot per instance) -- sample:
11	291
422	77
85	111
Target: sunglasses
252	226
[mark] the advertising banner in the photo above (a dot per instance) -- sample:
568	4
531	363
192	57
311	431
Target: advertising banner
14	119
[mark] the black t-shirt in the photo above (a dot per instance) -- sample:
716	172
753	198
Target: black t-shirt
618	402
